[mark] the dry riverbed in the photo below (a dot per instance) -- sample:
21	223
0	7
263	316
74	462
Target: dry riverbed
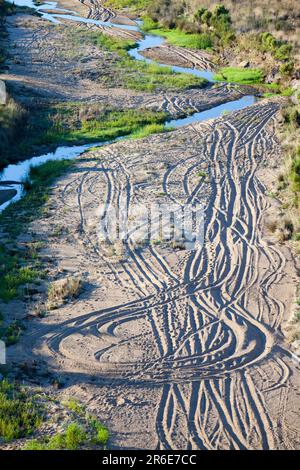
171	347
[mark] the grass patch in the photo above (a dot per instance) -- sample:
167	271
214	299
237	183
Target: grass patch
19	415
239	75
139	75
176	37
11	333
149	130
70	124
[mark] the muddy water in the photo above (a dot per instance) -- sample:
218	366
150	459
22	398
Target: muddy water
18	172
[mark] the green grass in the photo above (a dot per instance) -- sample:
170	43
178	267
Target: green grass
239	75
126	72
19	415
110	43
149	130
176	37
71	439
105	126
75	406
139	75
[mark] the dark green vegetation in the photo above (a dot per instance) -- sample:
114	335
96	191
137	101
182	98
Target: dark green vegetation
11	333
281	50
5	9
13	118
20	416
84	431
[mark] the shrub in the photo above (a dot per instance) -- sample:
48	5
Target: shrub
72	439
286	68
295	172
19	416
75	436
102	436
102	433
63	289
283	52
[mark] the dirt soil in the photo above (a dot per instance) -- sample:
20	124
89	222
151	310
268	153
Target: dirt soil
172	347
187	341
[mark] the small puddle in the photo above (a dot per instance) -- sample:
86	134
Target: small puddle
18	172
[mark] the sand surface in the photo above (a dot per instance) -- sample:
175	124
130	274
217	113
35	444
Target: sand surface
174	348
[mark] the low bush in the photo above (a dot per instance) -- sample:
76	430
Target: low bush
63	289
19	415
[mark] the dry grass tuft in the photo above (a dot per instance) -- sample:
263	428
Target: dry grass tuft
64	289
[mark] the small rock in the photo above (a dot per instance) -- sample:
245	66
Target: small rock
120	401
244	64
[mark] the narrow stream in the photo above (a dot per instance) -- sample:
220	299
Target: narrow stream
16	173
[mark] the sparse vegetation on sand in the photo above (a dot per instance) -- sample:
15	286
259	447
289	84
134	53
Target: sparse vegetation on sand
22	412
19	266
83	431
20	416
